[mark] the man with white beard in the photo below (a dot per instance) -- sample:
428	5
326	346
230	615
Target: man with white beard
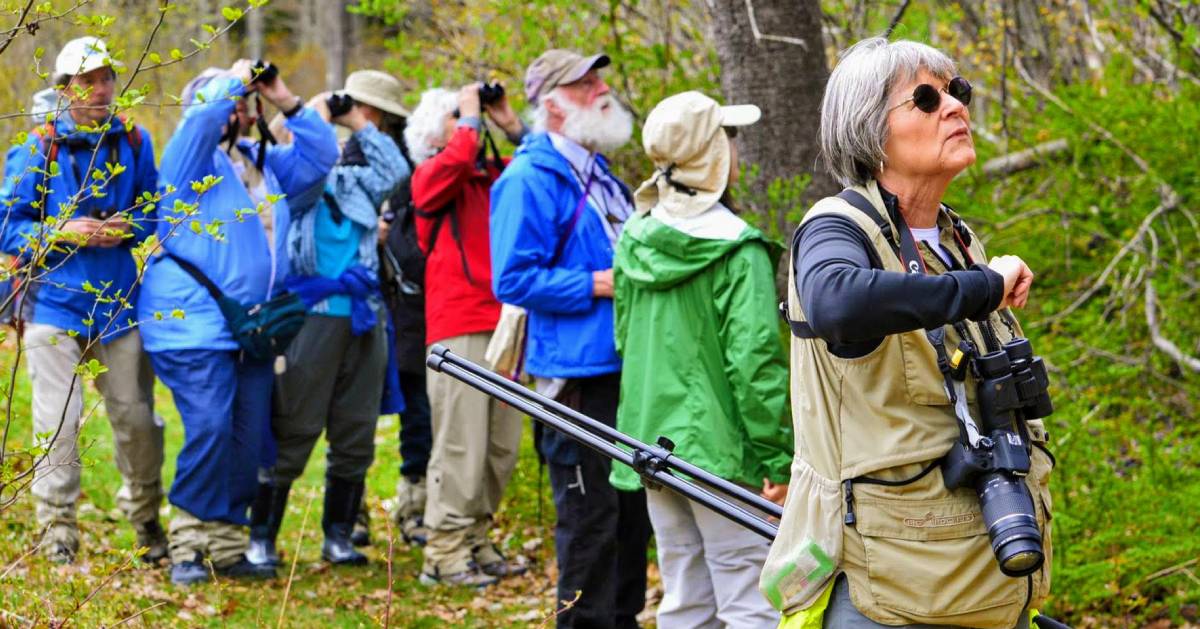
557	212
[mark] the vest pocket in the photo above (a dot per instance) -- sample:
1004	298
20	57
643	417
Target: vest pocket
931	561
808	548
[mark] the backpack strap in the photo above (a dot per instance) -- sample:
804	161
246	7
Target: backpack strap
47	134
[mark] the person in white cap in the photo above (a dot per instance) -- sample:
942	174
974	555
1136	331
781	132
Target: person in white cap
338	364
697	326
81	241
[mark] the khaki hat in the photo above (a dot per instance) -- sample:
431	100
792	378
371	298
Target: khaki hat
82	55
377	89
558	67
684	138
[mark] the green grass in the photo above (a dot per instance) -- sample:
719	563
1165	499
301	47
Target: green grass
36	592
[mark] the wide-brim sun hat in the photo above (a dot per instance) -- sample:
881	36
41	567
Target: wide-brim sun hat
377	89
685	139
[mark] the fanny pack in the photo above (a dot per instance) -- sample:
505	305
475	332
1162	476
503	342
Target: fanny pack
262	330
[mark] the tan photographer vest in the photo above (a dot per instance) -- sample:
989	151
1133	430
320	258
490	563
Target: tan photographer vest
918	552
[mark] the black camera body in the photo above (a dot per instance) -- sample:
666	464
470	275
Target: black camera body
339	104
264	72
1011	388
490	93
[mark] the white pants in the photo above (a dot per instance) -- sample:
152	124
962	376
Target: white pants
710	567
58	410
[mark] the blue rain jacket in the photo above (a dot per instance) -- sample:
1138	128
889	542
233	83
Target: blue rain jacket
57	296
242	263
570	333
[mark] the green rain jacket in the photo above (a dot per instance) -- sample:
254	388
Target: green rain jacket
697	326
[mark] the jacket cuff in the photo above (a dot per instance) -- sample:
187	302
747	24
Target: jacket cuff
993	283
469	121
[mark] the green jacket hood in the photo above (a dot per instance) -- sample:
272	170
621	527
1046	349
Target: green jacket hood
660	253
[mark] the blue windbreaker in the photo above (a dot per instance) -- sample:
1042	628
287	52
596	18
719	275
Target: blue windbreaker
570	333
57	297
242	263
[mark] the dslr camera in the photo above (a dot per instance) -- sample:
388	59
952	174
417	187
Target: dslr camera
1011	388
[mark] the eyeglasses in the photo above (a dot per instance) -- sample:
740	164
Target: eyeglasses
928	98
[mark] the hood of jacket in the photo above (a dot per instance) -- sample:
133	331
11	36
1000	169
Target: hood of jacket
657	251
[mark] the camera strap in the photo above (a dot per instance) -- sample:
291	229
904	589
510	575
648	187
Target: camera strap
906	249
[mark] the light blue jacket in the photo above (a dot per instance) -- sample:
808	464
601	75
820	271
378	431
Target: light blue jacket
241	262
570	332
359	185
57	297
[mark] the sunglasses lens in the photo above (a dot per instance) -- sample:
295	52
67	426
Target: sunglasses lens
960	89
926	98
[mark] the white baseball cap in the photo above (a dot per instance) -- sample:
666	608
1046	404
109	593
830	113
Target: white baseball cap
82	55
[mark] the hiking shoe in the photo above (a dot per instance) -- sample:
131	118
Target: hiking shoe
262	551
414	531
338	550
150	535
60	543
491	562
190	572
472	577
244	569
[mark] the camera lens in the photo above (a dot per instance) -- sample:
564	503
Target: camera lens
1012	527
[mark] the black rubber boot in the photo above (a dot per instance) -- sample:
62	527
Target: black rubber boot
342	498
266	516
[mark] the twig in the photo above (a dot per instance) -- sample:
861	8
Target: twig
1018	161
759	36
387	610
154	606
1169	571
295	559
896	18
1164	344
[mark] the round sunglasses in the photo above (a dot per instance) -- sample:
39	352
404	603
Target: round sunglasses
928	98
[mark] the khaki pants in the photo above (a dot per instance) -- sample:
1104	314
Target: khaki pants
128	390
223	543
475	442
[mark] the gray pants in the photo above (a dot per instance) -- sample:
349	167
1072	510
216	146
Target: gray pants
841	613
334	382
710	567
475	444
128	391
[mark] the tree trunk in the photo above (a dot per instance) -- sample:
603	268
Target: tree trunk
335	44
254	33
772	54
782	69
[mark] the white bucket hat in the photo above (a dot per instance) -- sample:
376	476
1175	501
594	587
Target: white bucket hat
377	89
685	140
82	55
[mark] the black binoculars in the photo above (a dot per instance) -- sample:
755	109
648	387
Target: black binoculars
264	72
339	104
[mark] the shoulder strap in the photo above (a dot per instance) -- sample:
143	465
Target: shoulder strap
47	134
860	203
197	275
566	235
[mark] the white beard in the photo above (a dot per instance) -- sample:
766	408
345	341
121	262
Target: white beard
595	128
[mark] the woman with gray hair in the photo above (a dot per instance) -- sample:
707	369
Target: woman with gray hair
888	283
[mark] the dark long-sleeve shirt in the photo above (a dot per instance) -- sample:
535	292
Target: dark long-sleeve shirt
851	303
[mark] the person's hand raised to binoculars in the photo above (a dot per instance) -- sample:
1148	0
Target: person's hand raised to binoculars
276	92
503	115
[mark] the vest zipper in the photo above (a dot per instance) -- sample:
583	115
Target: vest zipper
848	489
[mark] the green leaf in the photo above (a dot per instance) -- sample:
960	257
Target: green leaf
232	14
176	53
154	57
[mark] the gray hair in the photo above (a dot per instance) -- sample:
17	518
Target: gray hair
854	110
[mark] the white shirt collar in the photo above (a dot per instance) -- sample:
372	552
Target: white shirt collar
579	157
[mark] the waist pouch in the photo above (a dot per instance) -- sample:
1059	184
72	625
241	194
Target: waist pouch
262	330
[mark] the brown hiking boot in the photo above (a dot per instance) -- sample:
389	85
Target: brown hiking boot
150	535
60	542
471	577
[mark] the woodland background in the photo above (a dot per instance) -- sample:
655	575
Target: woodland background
1086	121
